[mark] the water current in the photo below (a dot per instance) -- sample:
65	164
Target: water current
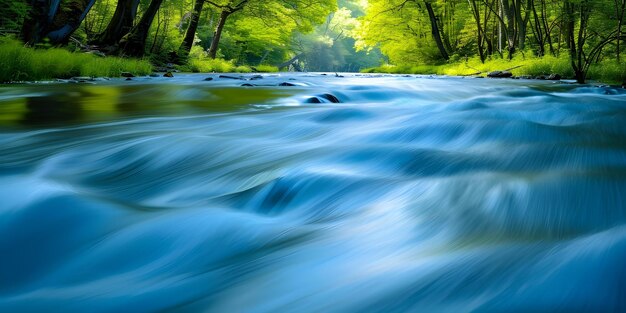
312	193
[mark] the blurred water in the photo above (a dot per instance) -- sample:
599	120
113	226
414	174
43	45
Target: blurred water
411	195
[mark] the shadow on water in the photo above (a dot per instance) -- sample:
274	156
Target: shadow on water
59	109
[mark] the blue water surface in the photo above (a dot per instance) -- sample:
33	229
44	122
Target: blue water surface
412	194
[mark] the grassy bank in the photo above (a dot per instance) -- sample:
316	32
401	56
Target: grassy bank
199	62
607	71
18	63
222	66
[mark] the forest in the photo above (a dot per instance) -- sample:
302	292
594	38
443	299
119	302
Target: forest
578	39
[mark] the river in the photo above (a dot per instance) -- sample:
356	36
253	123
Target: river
359	193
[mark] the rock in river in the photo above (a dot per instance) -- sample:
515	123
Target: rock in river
500	74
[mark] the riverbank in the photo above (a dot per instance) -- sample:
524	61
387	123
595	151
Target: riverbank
25	64
19	63
609	72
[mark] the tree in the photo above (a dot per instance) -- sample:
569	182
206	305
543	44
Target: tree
227	10
134	43
303	13
190	34
436	30
54	20
586	41
120	24
409	31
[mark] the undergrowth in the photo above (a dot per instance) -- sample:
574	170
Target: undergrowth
18	63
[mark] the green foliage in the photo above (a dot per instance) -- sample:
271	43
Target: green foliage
40	64
207	65
503	33
349	35
519	66
12	14
266	69
608	71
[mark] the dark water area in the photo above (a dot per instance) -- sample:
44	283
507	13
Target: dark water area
325	194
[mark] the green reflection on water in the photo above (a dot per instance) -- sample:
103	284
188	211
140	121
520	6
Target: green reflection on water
66	104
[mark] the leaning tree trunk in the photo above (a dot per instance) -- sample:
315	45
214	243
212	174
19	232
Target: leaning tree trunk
68	19
190	35
218	33
134	43
48	19
434	26
120	24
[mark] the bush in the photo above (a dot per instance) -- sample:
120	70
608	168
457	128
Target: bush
266	69
199	63
608	71
519	66
19	63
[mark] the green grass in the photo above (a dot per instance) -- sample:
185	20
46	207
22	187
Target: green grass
199	62
266	69
207	65
607	71
18	63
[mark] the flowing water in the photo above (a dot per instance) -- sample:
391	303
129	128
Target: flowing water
412	194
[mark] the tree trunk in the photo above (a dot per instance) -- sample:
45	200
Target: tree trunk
68	19
47	20
577	42
36	22
523	22
120	24
537	29
134	43
218	33
434	26
509	14
479	29
620	8
190	34
291	61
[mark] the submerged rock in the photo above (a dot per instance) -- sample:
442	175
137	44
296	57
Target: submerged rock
319	99
500	74
168	74
208	79
313	100
286	84
330	98
231	77
247	85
